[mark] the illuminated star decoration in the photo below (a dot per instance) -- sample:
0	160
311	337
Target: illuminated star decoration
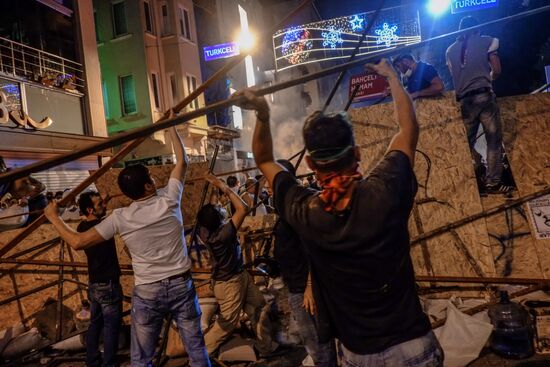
356	23
386	34
296	45
332	37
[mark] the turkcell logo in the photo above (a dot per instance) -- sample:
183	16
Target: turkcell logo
221	51
459	6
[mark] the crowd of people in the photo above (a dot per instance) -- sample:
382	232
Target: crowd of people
342	238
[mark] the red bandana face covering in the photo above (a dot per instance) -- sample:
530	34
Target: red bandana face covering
335	185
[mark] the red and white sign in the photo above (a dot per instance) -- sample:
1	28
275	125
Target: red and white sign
370	86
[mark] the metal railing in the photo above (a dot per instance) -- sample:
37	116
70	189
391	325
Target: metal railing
40	66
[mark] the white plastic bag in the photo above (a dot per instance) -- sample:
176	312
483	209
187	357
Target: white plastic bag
462	337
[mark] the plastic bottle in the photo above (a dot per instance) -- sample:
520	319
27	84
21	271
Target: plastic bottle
512	329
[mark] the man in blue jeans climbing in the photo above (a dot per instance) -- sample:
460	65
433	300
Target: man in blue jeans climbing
104	292
474	64
152	229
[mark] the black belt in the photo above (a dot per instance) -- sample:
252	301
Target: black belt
475	92
185	275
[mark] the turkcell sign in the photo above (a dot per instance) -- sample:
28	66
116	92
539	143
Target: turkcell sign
221	51
460	6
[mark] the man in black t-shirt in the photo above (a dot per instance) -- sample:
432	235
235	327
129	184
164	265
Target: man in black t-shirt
294	265
422	78
355	232
233	288
104	292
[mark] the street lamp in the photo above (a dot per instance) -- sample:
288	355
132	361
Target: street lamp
438	7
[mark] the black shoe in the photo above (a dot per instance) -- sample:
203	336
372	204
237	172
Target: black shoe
498	189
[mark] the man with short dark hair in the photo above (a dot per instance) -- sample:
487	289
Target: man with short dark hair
233	287
104	291
233	183
422	78
152	229
474	64
356	233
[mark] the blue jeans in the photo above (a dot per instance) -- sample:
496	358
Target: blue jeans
106	314
323	355
151	303
483	109
420	352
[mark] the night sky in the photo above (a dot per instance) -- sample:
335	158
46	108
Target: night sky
524	45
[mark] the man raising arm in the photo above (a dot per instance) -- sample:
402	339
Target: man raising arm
152	230
355	232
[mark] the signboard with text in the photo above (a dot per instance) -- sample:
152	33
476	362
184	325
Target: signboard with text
222	51
460	6
370	86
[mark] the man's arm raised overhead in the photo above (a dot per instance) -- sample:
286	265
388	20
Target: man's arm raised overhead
262	142
180	168
406	138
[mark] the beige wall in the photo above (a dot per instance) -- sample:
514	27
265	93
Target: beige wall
173	54
92	72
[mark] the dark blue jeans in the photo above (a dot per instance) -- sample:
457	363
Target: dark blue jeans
151	303
323	355
483	109
420	352
106	314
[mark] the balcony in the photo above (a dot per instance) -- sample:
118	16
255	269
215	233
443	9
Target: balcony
42	67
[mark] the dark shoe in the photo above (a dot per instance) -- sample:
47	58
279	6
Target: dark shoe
498	189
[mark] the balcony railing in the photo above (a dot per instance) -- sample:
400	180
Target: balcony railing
40	66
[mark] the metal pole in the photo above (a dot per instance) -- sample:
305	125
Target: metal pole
59	324
150	129
352	56
352	97
193	243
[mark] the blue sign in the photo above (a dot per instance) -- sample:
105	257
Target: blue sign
460	6
221	51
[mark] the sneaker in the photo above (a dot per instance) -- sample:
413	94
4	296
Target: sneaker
498	189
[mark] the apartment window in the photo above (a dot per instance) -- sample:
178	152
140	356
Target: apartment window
191	86
147	12
105	99
174	89
119	19
185	26
128	95
166	24
155	82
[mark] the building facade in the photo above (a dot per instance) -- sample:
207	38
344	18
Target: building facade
49	78
149	62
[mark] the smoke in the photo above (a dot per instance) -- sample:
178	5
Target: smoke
288	113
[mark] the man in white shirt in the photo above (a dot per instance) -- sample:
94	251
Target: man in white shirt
152	229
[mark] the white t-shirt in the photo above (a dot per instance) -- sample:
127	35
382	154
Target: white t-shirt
152	230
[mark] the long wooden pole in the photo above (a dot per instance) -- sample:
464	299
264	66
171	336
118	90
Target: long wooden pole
148	130
131	146
480	215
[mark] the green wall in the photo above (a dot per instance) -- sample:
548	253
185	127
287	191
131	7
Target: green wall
122	56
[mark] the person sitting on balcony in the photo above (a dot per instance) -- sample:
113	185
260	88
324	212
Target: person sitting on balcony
152	229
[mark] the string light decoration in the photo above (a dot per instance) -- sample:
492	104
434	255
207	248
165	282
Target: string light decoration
386	34
337	38
356	23
332	37
296	44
